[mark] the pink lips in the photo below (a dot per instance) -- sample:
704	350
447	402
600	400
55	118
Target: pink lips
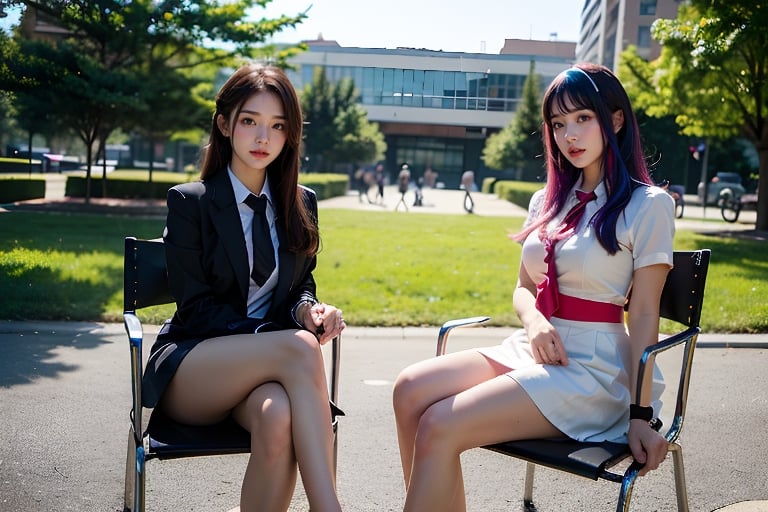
575	152
259	154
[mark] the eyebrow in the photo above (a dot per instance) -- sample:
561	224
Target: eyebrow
254	112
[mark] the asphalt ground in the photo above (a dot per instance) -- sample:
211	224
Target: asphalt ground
65	400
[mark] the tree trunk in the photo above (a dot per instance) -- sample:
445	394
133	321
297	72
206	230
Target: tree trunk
762	186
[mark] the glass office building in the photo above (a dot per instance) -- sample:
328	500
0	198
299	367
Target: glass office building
435	108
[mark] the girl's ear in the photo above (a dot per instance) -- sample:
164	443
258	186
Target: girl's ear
618	120
221	122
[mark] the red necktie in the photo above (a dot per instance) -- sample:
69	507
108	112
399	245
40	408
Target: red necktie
547	292
263	250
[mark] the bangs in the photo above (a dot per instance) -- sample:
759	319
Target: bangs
567	96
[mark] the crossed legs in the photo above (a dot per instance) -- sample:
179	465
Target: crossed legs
274	384
449	404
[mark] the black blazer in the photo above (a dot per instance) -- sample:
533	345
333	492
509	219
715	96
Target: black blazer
208	268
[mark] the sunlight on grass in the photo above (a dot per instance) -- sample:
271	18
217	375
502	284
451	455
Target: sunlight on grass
381	268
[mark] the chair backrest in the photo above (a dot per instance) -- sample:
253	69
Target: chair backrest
144	272
683	294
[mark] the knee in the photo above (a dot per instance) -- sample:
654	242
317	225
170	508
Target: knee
406	393
269	411
434	429
305	351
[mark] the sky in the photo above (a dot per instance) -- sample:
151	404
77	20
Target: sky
478	26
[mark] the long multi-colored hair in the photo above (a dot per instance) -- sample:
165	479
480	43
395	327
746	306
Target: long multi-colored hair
595	88
283	172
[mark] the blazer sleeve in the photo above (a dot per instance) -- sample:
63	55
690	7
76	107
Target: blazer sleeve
208	298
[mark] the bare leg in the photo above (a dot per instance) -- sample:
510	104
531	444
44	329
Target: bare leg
447	405
220	373
270	477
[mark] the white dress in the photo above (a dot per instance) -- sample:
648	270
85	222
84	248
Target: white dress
588	400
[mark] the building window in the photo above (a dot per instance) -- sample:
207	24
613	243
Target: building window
643	37
647	7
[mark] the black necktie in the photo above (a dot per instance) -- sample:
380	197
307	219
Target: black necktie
263	251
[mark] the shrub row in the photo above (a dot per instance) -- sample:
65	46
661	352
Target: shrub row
517	192
130	186
16	188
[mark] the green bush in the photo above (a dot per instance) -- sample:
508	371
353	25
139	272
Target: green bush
16	188
517	192
326	185
134	184
20	165
488	185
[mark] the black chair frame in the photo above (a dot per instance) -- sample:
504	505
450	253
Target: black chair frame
146	284
681	301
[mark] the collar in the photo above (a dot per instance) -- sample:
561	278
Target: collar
241	191
600	192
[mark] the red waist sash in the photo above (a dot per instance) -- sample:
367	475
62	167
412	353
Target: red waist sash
584	310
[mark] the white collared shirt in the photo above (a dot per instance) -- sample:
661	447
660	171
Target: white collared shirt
259	297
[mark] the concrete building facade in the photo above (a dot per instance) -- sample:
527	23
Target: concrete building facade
610	26
436	108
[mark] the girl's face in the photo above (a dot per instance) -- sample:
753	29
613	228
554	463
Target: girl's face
257	134
579	138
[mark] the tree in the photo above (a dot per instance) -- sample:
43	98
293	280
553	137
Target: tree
116	58
518	145
712	75
337	129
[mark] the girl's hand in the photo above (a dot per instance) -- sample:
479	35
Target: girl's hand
546	344
326	320
648	446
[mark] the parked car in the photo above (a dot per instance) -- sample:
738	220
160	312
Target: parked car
724	185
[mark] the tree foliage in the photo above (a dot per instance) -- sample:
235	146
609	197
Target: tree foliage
712	75
130	63
518	145
337	130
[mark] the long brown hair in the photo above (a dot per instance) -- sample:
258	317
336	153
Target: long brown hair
283	172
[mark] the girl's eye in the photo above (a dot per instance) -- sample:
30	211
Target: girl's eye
557	125
248	121
584	118
279	126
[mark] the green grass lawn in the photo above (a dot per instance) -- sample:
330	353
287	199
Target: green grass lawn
381	268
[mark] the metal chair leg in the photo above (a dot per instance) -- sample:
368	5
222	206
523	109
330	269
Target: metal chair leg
625	494
130	473
528	505
680	487
133	497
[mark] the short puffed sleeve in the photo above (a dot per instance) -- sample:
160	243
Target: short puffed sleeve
651	216
534	207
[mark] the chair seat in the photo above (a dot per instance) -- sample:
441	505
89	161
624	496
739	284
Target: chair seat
169	439
589	460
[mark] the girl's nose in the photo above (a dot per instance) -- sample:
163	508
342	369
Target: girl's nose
262	134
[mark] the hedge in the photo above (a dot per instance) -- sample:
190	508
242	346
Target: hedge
134	184
517	192
16	188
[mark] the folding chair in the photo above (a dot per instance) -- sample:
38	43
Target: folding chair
146	284
681	302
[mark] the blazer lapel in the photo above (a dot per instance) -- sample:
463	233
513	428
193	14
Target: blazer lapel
285	276
226	220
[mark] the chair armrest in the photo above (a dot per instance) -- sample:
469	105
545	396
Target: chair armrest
135	337
442	337
688	338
